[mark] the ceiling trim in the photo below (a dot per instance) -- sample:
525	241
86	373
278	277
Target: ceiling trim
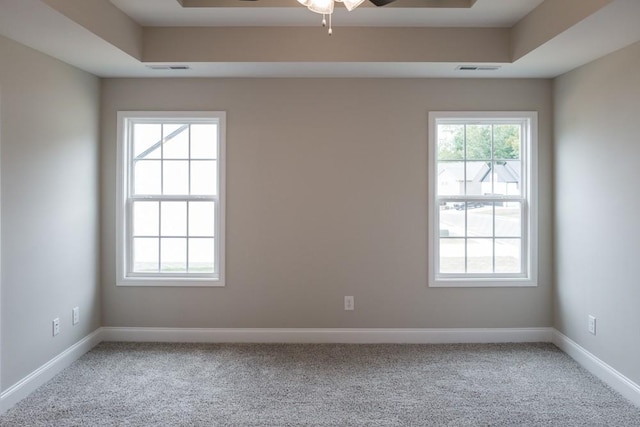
303	44
104	20
549	20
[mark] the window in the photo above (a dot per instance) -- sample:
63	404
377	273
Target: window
171	198
482	212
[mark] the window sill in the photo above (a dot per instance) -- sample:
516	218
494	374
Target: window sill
171	282
482	283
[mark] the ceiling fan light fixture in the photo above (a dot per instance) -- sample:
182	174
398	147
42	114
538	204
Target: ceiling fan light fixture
323	7
351	4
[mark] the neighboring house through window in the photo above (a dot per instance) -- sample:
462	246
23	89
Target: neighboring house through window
482	205
171	209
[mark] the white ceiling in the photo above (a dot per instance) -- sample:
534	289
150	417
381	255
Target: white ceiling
485	13
35	24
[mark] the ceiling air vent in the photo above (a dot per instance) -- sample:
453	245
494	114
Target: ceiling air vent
169	67
477	67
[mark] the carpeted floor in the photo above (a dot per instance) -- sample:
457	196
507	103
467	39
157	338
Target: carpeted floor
125	384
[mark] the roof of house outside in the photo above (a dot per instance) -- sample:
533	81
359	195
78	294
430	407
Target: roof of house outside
508	171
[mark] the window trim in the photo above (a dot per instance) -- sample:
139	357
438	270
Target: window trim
529	193
123	171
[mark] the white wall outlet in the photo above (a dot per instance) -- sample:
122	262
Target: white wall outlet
348	303
75	318
56	326
592	324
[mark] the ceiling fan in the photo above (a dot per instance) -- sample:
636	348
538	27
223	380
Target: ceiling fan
325	7
348	3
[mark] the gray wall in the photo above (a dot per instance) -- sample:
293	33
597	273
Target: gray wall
597	205
327	196
49	121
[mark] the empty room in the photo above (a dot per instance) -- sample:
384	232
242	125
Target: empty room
319	212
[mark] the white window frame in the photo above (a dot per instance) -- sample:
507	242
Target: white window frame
529	180
123	206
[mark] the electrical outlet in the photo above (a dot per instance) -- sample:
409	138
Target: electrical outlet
592	324
75	318
56	326
348	303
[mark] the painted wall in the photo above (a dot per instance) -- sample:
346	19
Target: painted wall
49	121
597	232
327	197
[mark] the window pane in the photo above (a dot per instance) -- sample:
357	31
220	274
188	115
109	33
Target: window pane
147	177
163	215
176	177
508	257
451	255
201	219
145	218
174	218
478	178
450	142
481	168
201	255
145	255
508	219
450	178
176	141
479	219
506	177
203	178
479	255
146	136
204	141
478	142
173	255
506	142
452	220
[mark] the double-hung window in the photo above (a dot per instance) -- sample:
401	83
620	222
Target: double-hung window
170	225
482	207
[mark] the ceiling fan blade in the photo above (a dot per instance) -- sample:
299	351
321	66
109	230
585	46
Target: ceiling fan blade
381	2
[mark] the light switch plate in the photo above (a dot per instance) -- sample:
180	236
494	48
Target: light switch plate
592	324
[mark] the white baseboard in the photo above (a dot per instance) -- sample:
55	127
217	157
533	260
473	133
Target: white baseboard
597	367
316	335
44	373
